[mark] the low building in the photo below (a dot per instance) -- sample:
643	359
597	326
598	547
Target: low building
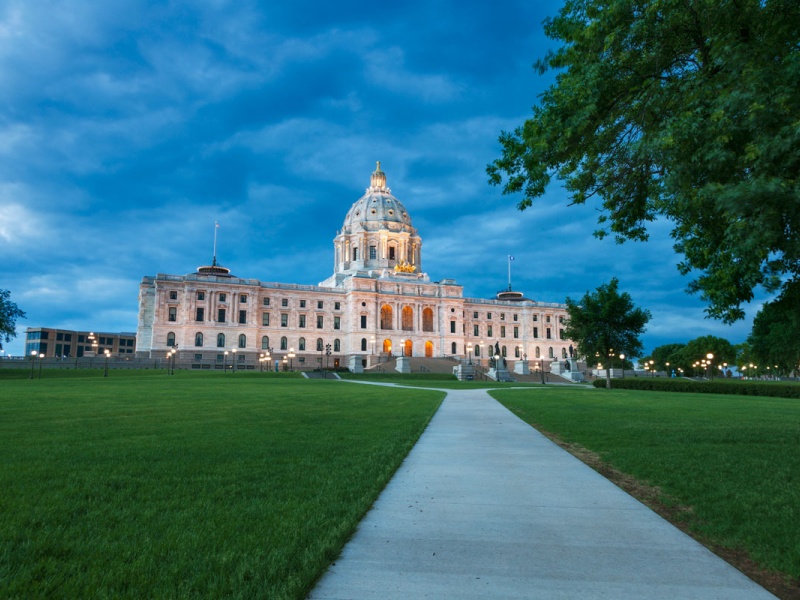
66	343
378	302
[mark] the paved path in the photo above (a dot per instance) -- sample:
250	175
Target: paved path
486	507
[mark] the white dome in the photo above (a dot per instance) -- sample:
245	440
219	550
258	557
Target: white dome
377	209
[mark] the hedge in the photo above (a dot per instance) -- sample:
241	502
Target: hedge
721	386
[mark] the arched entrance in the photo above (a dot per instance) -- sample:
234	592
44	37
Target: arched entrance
408	348
387	346
428	349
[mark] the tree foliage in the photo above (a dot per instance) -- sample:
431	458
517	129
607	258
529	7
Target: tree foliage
9	313
775	338
606	323
682	110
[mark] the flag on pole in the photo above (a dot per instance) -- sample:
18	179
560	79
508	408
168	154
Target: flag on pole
510	257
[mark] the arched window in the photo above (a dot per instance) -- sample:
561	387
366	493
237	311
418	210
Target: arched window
301	344
363	344
550	352
198	339
516	351
503	351
538	352
242	341
170	339
563	353
477	350
387	346
265	342
220	340
355	253
386	317
319	344
427	319
428	349
453	348
337	345
284	343
408	318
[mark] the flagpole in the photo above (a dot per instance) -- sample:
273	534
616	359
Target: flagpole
509	272
216	226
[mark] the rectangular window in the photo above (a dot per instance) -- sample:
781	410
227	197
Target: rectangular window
201	295
242	317
173	295
489	330
221	315
242	298
355	253
391	253
535	318
67	337
220	358
284	319
302	303
320	321
301	321
515	317
502	316
337	322
198	357
536	332
561	334
173	313
265	319
81	339
547	319
200	314
561	318
337	306
476	330
488	315
452	326
363	321
266	301
59	337
516	332
502	331
284	302
223	297
319	304
549	335
373	253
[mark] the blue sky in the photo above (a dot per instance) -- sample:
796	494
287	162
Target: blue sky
128	128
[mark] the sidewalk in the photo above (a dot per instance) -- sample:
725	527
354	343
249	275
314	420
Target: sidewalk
486	507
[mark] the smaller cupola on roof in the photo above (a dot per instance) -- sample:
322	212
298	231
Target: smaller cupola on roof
377	182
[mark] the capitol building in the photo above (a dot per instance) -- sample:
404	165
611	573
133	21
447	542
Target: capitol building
378	302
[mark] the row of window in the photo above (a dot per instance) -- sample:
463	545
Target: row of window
199	339
515	316
476	332
223	297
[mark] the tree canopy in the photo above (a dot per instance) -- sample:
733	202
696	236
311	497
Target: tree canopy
687	111
775	338
9	313
605	324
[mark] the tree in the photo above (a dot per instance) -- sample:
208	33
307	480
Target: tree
697	350
9	313
682	110
668	357
605	324
775	337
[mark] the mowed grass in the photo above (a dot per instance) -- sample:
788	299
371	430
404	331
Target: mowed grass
732	461
196	485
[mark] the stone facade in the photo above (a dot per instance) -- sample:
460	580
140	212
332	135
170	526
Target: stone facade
377	302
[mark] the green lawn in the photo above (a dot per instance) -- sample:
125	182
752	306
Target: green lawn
143	485
734	461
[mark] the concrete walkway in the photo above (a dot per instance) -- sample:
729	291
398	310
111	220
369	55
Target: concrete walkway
485	507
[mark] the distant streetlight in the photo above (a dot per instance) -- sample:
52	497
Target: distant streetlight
225	362
107	353
327	358
34	354
710	357
469	352
233	360
291	357
402	347
622	358
41	358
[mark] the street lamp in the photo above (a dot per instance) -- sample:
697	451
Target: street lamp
34	354
327	358
41	358
291	356
710	356
652	368
285	362
542	372
622	358
107	352
402	347
469	352
233	360
225	362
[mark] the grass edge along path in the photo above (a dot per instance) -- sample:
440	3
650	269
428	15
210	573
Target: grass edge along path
647	443
197	485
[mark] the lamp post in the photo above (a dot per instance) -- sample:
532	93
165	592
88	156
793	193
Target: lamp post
108	354
34	354
41	359
542	372
710	356
622	358
225	362
469	352
291	357
285	362
327	358
402	347
233	360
